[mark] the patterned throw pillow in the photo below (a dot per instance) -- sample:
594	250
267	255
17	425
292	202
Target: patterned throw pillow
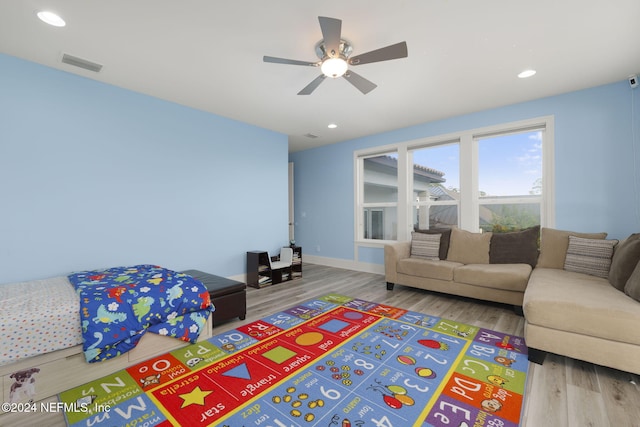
425	246
444	239
589	256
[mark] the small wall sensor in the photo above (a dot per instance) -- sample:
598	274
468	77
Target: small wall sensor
633	81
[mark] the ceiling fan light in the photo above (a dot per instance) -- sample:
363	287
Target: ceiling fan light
334	67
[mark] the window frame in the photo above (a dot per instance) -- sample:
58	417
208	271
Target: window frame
470	201
360	204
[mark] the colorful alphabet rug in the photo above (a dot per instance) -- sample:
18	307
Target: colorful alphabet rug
332	361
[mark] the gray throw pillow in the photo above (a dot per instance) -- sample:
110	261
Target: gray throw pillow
518	247
625	259
632	287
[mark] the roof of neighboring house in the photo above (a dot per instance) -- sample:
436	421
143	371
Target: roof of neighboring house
419	172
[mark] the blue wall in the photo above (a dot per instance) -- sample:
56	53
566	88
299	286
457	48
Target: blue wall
95	176
597	156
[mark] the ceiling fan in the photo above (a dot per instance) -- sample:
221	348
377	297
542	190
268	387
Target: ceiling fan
334	62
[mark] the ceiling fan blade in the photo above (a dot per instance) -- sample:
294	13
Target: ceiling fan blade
288	61
313	85
331	33
395	51
363	85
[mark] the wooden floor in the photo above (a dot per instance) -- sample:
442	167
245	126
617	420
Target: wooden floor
562	392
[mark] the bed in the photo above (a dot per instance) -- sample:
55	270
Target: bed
45	325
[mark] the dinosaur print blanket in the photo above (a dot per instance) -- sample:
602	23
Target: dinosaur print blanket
118	305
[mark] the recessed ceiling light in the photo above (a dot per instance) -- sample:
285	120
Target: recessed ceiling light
332	126
51	18
526	73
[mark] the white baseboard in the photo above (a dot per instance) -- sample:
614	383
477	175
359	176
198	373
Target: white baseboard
330	262
344	263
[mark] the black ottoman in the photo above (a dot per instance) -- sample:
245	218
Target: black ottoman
228	296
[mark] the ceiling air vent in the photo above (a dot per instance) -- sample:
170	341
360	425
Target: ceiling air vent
310	135
82	63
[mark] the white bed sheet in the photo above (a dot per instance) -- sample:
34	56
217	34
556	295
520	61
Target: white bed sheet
38	317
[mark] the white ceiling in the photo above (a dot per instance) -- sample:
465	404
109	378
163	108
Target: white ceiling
464	55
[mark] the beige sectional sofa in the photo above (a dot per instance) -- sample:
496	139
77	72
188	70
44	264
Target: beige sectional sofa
581	300
468	268
584	316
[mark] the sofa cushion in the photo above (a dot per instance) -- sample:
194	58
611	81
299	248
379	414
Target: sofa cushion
554	244
589	256
580	303
632	287
445	236
442	270
510	277
625	258
425	246
469	248
518	247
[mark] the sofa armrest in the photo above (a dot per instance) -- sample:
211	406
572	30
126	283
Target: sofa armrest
392	253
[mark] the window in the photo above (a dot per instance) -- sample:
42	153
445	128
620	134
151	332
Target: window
510	180
374	223
436	186
379	196
496	179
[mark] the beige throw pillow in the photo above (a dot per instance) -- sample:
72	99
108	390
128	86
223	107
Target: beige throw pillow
469	248
554	244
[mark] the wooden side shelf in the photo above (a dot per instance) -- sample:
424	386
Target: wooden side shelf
296	266
259	273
